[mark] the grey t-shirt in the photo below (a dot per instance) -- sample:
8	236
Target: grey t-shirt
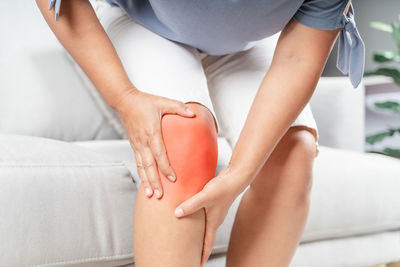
220	27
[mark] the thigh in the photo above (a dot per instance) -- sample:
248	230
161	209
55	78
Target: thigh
153	63
233	82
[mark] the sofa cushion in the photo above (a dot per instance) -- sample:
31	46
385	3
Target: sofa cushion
71	203
62	204
353	194
40	92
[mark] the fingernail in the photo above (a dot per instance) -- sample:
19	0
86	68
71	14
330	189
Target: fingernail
190	112
178	212
147	191
158	193
172	178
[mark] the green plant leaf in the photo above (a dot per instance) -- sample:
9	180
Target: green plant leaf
391	105
396	34
386	56
380	26
387	152
392	152
372	139
390	72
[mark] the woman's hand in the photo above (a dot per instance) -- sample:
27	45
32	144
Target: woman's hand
216	198
141	115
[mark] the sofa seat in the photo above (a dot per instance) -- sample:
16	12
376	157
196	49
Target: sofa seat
354	194
69	204
335	210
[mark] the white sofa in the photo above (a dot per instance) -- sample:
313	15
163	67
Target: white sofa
68	181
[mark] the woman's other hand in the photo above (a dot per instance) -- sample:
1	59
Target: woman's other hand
216	198
141	115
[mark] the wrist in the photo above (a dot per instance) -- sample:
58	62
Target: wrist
118	103
241	176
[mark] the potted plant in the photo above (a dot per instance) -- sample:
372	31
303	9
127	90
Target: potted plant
388	63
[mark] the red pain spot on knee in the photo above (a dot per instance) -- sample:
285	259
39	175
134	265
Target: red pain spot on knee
192	149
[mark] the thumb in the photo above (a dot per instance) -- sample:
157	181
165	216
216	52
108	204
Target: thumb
179	108
209	239
191	205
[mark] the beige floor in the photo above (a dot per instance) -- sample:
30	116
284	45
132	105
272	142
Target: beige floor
395	264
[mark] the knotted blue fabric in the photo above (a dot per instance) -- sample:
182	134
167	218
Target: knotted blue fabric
57	5
351	49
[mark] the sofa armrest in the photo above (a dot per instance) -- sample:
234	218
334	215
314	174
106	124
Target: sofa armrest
339	111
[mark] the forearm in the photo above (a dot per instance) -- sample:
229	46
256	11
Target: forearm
298	61
276	105
80	32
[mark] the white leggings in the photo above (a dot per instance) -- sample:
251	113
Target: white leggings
225	84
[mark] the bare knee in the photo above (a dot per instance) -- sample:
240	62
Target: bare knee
289	167
301	141
192	149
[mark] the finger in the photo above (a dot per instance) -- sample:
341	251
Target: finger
142	174
151	171
160	155
191	205
139	163
209	239
178	107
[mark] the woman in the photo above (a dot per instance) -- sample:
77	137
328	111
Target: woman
158	62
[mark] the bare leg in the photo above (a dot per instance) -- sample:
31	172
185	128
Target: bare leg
272	214
161	239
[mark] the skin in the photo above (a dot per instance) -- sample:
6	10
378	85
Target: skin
274	159
300	54
272	213
80	32
192	147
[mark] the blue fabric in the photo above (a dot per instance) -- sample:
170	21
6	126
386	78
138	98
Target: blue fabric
220	27
329	15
